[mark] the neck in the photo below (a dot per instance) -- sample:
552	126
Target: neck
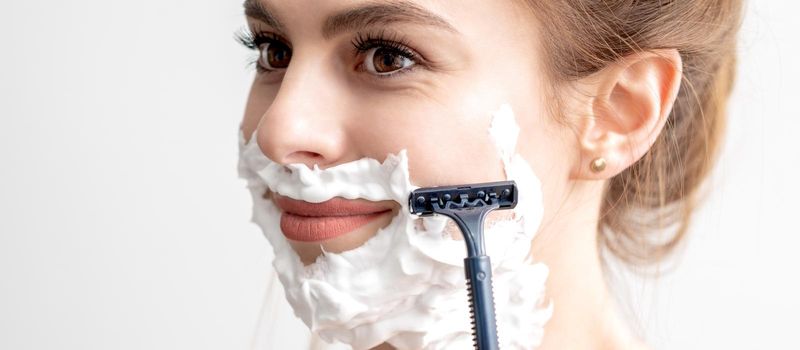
584	312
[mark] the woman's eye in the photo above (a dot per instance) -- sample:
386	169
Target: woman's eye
274	55
384	61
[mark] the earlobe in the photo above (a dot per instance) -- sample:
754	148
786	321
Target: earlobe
632	100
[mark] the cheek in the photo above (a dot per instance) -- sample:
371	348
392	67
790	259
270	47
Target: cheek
447	143
465	162
550	148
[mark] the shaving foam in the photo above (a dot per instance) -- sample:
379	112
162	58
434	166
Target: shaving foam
405	286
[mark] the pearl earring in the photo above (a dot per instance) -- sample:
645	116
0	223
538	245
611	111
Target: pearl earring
598	164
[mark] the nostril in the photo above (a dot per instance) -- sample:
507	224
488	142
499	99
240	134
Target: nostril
306	157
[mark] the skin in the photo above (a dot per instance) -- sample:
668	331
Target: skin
326	108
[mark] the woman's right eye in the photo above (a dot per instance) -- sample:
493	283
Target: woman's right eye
274	55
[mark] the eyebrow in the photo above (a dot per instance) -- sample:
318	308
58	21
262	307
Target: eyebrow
371	14
256	10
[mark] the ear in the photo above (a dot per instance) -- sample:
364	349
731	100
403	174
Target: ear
632	100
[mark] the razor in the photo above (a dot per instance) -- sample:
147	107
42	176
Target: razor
468	206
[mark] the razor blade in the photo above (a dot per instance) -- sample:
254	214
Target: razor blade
467	205
427	201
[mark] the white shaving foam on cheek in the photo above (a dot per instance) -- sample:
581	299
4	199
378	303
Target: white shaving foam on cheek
405	286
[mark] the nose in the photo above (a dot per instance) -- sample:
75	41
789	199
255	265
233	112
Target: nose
304	124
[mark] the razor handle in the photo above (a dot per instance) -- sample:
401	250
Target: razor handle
468	206
478	272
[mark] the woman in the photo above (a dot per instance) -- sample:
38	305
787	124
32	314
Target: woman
606	113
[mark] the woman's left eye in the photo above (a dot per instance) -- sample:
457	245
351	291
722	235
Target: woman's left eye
386	61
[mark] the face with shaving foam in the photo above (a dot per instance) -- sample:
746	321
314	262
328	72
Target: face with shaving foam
362	112
405	285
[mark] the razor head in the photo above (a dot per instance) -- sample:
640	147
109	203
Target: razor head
427	201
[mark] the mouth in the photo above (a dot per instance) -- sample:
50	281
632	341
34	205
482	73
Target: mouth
303	221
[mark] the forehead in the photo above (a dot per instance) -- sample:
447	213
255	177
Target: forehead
329	15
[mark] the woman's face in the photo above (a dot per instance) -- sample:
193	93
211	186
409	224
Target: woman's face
341	80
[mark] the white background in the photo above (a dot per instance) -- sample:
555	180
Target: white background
123	224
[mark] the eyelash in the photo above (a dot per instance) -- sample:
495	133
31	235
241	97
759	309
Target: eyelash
253	39
364	42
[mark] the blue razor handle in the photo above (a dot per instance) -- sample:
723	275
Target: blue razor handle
468	205
479	283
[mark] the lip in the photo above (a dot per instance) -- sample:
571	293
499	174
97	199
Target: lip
313	222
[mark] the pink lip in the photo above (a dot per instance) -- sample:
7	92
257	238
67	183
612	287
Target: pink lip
312	222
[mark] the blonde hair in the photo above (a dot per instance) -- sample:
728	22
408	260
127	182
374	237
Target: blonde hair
660	191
